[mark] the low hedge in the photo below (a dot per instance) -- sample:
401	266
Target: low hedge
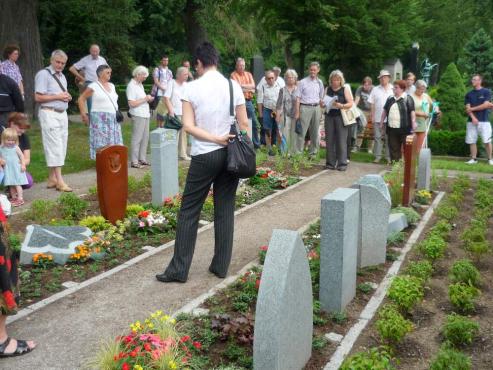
444	142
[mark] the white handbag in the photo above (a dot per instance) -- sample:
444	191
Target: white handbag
349	115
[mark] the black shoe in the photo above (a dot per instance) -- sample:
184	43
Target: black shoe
168	279
329	167
341	168
271	153
220	276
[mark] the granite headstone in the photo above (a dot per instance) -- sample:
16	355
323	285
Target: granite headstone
339	224
58	241
164	165
375	205
424	169
284	312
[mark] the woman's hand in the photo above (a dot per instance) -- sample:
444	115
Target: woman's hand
223	140
85	118
23	167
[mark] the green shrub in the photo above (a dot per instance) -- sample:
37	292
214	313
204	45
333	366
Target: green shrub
14	240
406	291
396	238
477	249
373	359
133	210
442	228
391	325
450	94
394	180
41	211
411	215
433	247
459	330
444	142
447	211
463	271
95	223
463	296
133	184
450	359
71	206
421	269
365	288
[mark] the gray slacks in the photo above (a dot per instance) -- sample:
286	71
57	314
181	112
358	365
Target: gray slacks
205	169
310	121
381	141
140	139
336	136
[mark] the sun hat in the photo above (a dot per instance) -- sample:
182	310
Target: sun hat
384	72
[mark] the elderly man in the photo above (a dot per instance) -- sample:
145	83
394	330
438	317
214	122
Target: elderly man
378	98
247	83
88	66
10	99
267	102
162	77
51	94
309	98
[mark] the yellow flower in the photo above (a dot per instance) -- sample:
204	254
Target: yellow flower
150	325
173	321
138	367
172	365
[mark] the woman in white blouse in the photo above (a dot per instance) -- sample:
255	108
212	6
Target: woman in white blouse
172	99
139	110
103	127
206	117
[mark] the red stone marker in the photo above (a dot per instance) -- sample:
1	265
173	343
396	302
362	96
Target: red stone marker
112	175
410	155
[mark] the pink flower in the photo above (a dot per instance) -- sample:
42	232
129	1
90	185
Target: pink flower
264	248
197	345
141	224
312	255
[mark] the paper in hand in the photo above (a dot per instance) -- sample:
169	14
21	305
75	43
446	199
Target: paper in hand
328	101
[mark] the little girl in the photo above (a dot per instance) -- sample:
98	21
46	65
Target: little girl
15	168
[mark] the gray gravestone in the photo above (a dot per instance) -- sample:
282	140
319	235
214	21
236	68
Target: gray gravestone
375	205
424	169
339	224
164	165
58	241
397	222
284	312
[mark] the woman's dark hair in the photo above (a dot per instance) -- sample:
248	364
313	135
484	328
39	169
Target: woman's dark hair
401	84
18	119
9	49
207	54
101	68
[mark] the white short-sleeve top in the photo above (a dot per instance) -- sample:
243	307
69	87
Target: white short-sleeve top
175	93
209	96
101	98
135	91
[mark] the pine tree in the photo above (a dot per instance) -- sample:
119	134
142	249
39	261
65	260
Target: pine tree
478	56
450	94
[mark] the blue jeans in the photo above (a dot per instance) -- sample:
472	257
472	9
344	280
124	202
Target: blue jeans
269	124
89	99
251	115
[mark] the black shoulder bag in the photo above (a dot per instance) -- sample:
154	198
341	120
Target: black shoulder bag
118	113
241	154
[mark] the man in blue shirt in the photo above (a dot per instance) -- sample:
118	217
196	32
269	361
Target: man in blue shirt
478	109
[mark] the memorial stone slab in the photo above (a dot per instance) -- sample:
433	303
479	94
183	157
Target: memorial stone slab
284	312
397	222
375	203
424	169
164	165
58	241
339	225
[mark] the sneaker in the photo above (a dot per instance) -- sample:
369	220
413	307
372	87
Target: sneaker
377	160
490	162
472	161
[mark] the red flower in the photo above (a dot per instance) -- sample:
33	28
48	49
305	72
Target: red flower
133	353
264	247
184	339
125	366
168	200
115	358
197	345
257	284
143	214
147	347
9	299
2	260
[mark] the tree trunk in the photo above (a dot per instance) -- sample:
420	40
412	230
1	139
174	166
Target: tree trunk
196	34
302	58
19	25
288	54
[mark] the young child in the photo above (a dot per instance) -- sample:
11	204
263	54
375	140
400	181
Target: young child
15	168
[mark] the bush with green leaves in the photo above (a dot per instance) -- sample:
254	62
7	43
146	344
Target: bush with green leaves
460	330
14	240
71	206
447	211
450	94
420	269
373	359
394	179
450	359
464	271
442	228
463	296
133	210
95	223
412	216
391	325
433	247
396	238
444	142
41	211
406	291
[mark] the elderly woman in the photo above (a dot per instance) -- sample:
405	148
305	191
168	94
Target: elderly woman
103	127
399	116
207	118
9	66
361	97
423	106
172	99
286	111
139	110
20	123
336	134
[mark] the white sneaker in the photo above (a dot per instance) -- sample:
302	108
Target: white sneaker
186	158
490	162
472	161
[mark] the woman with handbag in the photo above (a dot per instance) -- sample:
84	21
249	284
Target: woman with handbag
103	126
286	112
336	132
206	116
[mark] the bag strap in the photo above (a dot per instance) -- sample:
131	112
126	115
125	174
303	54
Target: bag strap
56	79
231	108
108	95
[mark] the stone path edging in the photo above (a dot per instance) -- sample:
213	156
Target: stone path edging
55	297
371	307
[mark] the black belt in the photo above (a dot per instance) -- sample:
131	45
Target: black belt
53	109
310	105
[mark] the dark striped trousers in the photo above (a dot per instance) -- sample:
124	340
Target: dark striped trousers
205	169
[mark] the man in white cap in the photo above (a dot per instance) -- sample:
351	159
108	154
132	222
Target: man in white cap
377	99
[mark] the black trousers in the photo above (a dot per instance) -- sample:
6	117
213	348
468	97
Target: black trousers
336	139
205	169
396	140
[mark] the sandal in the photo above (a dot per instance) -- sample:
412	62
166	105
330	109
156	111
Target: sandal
17	202
135	165
144	163
21	349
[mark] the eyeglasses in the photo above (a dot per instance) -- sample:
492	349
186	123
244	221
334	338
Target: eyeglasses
269	78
